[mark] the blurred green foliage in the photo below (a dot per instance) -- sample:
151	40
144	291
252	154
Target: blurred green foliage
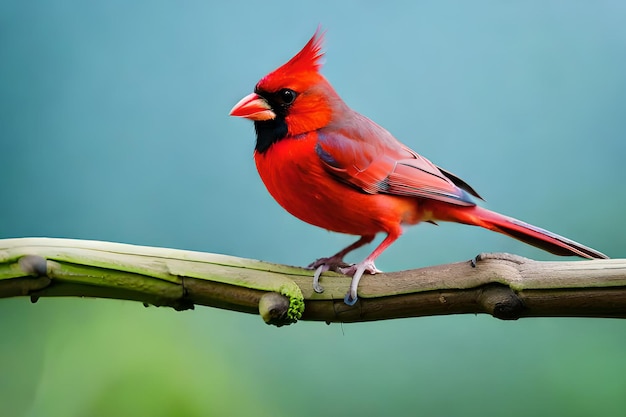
114	126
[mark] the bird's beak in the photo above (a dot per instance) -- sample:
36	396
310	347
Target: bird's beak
253	107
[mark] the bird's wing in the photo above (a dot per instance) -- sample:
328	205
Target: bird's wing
384	165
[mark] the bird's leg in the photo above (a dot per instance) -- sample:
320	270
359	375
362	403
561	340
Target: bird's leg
367	265
335	262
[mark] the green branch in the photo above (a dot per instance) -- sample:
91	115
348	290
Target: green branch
502	285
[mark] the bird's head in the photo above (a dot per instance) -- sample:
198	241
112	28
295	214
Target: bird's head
291	100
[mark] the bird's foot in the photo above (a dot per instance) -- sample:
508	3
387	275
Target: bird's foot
368	266
357	271
333	263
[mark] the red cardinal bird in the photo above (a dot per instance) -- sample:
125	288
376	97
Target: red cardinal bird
334	168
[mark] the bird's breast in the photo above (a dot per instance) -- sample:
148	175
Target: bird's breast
294	175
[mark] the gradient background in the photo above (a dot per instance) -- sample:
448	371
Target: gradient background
114	126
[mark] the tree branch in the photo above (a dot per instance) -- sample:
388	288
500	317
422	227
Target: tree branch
505	286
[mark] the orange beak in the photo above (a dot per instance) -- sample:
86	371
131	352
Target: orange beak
253	107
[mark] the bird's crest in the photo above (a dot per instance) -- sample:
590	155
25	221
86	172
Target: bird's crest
309	59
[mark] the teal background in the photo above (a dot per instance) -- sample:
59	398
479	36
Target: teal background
114	126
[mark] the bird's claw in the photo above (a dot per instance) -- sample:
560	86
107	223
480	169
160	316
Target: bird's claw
316	277
333	263
357	271
349	299
338	265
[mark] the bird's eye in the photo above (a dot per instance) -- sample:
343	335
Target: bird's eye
287	96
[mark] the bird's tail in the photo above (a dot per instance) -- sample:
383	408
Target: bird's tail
525	232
